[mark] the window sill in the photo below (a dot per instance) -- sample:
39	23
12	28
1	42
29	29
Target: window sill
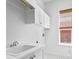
65	44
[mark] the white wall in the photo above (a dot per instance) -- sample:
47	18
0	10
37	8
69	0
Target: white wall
52	35
16	27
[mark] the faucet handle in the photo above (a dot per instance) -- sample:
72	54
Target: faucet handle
37	42
15	43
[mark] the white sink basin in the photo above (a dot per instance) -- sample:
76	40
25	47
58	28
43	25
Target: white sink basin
19	49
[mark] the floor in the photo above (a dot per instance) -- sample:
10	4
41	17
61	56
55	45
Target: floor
49	56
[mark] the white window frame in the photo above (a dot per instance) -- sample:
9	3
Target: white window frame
60	43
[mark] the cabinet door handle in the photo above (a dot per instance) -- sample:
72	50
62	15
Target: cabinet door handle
40	22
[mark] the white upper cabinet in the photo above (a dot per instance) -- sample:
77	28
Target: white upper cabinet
42	18
35	15
47	21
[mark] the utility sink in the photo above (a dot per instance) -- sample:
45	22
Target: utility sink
19	49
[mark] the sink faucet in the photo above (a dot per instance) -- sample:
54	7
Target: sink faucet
15	43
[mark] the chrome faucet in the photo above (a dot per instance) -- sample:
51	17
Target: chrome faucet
15	43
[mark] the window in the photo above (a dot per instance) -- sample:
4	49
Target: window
65	28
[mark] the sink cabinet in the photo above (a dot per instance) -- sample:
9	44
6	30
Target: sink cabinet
35	55
38	55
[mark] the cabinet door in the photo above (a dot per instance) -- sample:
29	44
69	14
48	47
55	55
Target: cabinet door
37	16
38	54
47	24
41	17
44	19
